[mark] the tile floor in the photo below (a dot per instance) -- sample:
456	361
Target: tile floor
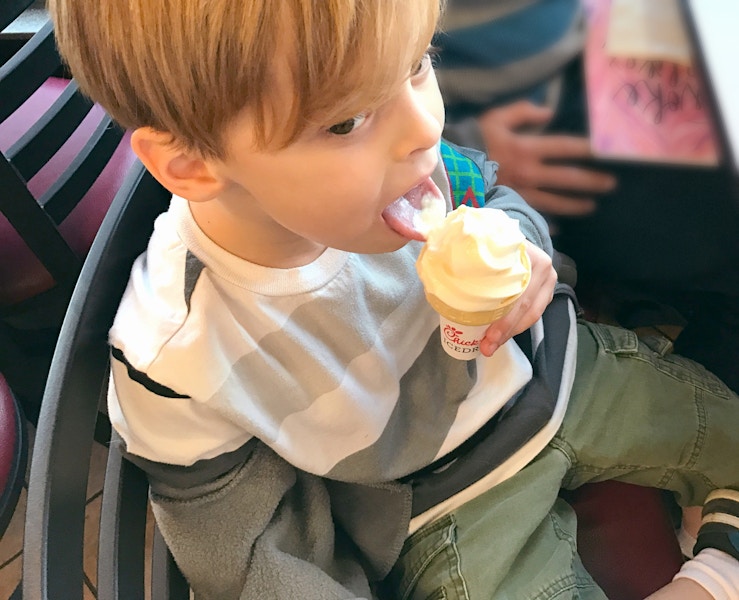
11	544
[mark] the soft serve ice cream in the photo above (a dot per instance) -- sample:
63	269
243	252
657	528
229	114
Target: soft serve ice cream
474	266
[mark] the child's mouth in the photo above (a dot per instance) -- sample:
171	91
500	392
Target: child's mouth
403	215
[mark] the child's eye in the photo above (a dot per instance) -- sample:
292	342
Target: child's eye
346	127
421	64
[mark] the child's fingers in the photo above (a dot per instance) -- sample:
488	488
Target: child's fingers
527	311
528	308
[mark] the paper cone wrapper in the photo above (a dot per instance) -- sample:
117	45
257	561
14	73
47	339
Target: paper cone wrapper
462	317
462	332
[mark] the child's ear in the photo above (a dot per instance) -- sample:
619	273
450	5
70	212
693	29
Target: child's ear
183	173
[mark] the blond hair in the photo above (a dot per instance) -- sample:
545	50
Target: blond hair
190	67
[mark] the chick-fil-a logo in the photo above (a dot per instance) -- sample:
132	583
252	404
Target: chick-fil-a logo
454	335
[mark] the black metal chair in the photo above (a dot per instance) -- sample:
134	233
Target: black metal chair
76	387
13	457
61	161
13	453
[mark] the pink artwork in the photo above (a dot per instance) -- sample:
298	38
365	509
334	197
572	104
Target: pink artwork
641	109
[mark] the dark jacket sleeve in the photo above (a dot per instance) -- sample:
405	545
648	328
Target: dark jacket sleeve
532	224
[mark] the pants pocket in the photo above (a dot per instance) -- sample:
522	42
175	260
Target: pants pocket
429	566
625	343
614	340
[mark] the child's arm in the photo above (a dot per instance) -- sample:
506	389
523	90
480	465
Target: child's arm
715	567
261	530
532	224
681	589
714	571
240	522
246	524
530	306
711	575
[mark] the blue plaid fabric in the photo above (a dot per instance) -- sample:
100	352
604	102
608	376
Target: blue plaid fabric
465	178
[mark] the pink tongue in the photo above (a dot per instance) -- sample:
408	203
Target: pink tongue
401	214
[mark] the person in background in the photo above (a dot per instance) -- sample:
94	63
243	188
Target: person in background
660	243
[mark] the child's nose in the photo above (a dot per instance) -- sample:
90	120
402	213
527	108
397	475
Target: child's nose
418	121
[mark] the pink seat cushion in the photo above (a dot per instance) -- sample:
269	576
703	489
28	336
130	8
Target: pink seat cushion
21	274
625	538
8	435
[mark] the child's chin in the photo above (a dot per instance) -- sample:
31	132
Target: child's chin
400	242
391	243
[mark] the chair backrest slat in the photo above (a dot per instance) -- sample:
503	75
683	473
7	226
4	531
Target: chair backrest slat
167	582
10	10
62	162
78	177
123	522
27	69
35	226
44	138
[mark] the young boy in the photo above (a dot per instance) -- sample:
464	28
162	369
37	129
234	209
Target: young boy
276	368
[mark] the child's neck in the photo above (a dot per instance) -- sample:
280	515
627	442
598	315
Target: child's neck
255	238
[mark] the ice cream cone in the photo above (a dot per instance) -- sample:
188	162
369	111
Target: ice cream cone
471	318
474	259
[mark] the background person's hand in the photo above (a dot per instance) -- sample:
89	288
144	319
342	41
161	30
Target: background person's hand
529	307
525	156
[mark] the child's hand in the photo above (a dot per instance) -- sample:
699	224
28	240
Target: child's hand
529	307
